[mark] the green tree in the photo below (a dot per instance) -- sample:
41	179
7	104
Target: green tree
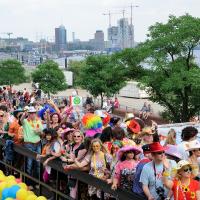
50	78
11	72
102	76
76	67
173	77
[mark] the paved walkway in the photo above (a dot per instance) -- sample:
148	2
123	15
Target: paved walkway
125	103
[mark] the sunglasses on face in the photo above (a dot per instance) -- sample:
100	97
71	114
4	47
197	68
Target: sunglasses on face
77	136
160	153
188	169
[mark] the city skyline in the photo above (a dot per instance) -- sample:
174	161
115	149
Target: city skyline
35	19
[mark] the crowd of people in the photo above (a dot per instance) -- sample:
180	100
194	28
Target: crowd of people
125	153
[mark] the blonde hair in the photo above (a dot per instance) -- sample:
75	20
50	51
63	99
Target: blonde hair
82	135
103	149
170	137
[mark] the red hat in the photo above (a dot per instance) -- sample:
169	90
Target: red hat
156	147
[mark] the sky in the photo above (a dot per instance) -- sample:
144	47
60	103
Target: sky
36	19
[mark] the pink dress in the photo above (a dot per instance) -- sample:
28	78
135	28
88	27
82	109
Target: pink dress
124	173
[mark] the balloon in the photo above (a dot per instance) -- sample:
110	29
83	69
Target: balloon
2	177
10	178
41	198
5	193
31	197
18	180
2	186
23	186
13	191
10	183
22	194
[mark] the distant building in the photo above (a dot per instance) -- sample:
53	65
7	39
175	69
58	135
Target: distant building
60	38
99	40
122	35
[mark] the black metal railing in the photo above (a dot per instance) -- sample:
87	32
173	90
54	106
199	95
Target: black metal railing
54	190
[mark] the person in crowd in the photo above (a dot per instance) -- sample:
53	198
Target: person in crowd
151	175
193	147
125	169
188	134
116	103
183	186
143	111
148	112
147	136
32	129
99	162
15	128
55	120
137	185
171	137
106	138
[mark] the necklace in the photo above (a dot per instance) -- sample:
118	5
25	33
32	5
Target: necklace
102	158
34	123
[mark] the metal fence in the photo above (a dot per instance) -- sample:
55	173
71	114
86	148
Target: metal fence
53	190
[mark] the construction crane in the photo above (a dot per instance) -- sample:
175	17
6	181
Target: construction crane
110	14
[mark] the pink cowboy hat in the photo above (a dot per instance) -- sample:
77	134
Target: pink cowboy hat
135	149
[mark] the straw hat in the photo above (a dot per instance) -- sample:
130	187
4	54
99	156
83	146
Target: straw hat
128	117
32	110
192	145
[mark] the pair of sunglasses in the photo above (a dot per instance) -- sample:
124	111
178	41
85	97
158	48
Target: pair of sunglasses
160	153
188	169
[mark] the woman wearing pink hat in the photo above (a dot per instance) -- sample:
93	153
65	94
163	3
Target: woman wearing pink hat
125	169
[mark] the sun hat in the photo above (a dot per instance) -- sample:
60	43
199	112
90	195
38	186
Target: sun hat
100	113
134	126
26	108
156	147
172	150
124	149
192	145
15	112
128	117
32	110
147	130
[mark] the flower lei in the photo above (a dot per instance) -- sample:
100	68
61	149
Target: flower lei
102	157
34	123
184	189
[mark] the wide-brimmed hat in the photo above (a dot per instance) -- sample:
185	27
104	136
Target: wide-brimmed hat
32	110
172	150
128	117
134	126
26	108
147	130
135	149
67	130
100	113
156	147
15	112
192	145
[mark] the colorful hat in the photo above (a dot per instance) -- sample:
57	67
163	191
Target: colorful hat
134	126
135	149
156	147
67	130
172	150
147	130
192	145
92	124
182	163
128	117
100	113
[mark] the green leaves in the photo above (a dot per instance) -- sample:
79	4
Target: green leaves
50	77
11	72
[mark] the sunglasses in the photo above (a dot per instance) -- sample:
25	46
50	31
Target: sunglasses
160	153
77	136
1	115
188	170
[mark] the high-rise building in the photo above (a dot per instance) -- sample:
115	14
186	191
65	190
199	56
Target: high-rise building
121	36
113	36
60	38
99	40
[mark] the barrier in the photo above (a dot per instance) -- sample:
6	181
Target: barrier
45	189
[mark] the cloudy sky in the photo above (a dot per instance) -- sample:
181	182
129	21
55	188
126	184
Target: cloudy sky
38	18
